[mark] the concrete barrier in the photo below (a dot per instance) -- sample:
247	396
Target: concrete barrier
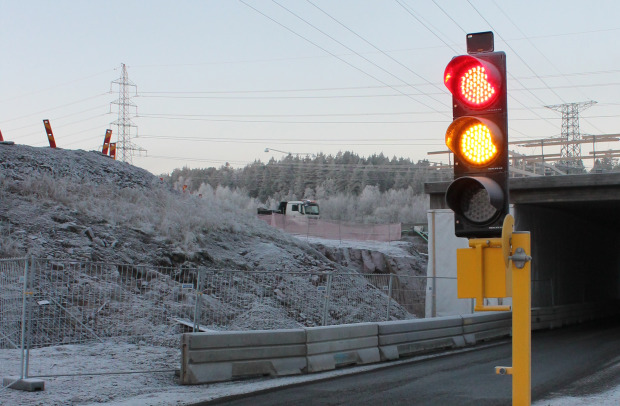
213	357
332	347
545	318
485	326
221	356
409	337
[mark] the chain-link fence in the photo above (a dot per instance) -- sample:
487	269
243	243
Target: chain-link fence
64	318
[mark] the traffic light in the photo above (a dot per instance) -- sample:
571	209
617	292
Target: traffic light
478	137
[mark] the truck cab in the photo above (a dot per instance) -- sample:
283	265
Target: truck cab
299	208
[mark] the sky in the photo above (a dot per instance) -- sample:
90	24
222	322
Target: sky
218	82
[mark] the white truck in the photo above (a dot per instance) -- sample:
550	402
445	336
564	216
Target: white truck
295	208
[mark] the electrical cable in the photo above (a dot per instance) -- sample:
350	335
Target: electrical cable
333	54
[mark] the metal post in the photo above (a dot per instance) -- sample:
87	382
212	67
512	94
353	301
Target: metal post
23	338
197	307
389	297
434	294
327	296
521	325
30	317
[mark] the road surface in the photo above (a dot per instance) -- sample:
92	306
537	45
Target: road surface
578	360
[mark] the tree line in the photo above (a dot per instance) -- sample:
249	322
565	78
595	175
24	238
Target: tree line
297	177
374	189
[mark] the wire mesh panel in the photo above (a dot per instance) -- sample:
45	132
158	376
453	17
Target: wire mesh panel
93	311
410	293
87	303
237	300
356	298
11	309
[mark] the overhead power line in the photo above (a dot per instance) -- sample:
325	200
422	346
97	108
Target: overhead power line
433	84
333	54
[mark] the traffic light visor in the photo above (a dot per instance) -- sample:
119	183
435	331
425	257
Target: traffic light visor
474	82
475	140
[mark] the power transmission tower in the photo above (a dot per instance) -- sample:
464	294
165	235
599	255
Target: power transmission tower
126	148
570	153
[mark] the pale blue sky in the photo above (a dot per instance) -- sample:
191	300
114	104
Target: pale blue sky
219	82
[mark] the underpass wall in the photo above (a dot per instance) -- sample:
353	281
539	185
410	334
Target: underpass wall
579	257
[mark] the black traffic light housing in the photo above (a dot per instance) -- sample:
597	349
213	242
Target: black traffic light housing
478	137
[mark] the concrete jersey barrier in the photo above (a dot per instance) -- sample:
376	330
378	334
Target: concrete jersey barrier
479	327
336	346
409	337
222	356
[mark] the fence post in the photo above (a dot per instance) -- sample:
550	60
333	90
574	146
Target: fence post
327	297
30	292
23	338
198	306
387	317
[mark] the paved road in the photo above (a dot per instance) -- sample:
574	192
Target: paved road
561	359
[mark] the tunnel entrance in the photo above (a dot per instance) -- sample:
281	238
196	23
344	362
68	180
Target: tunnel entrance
574	223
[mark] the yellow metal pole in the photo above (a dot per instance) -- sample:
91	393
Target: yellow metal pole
480	274
521	321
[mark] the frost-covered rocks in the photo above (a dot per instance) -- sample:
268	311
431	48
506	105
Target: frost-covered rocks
78	206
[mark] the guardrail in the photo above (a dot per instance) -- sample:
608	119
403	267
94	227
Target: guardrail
210	357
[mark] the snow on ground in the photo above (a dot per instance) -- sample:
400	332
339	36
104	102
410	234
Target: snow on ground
608	398
599	388
393	249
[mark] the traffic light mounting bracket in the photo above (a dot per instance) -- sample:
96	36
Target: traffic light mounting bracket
483	269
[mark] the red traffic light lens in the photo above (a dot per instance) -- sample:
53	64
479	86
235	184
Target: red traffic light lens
473	81
474	140
474	86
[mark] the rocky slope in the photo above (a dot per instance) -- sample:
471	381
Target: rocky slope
79	206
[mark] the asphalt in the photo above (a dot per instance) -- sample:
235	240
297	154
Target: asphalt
576	361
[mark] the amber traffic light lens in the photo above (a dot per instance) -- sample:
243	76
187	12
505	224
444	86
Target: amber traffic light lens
475	141
477	145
